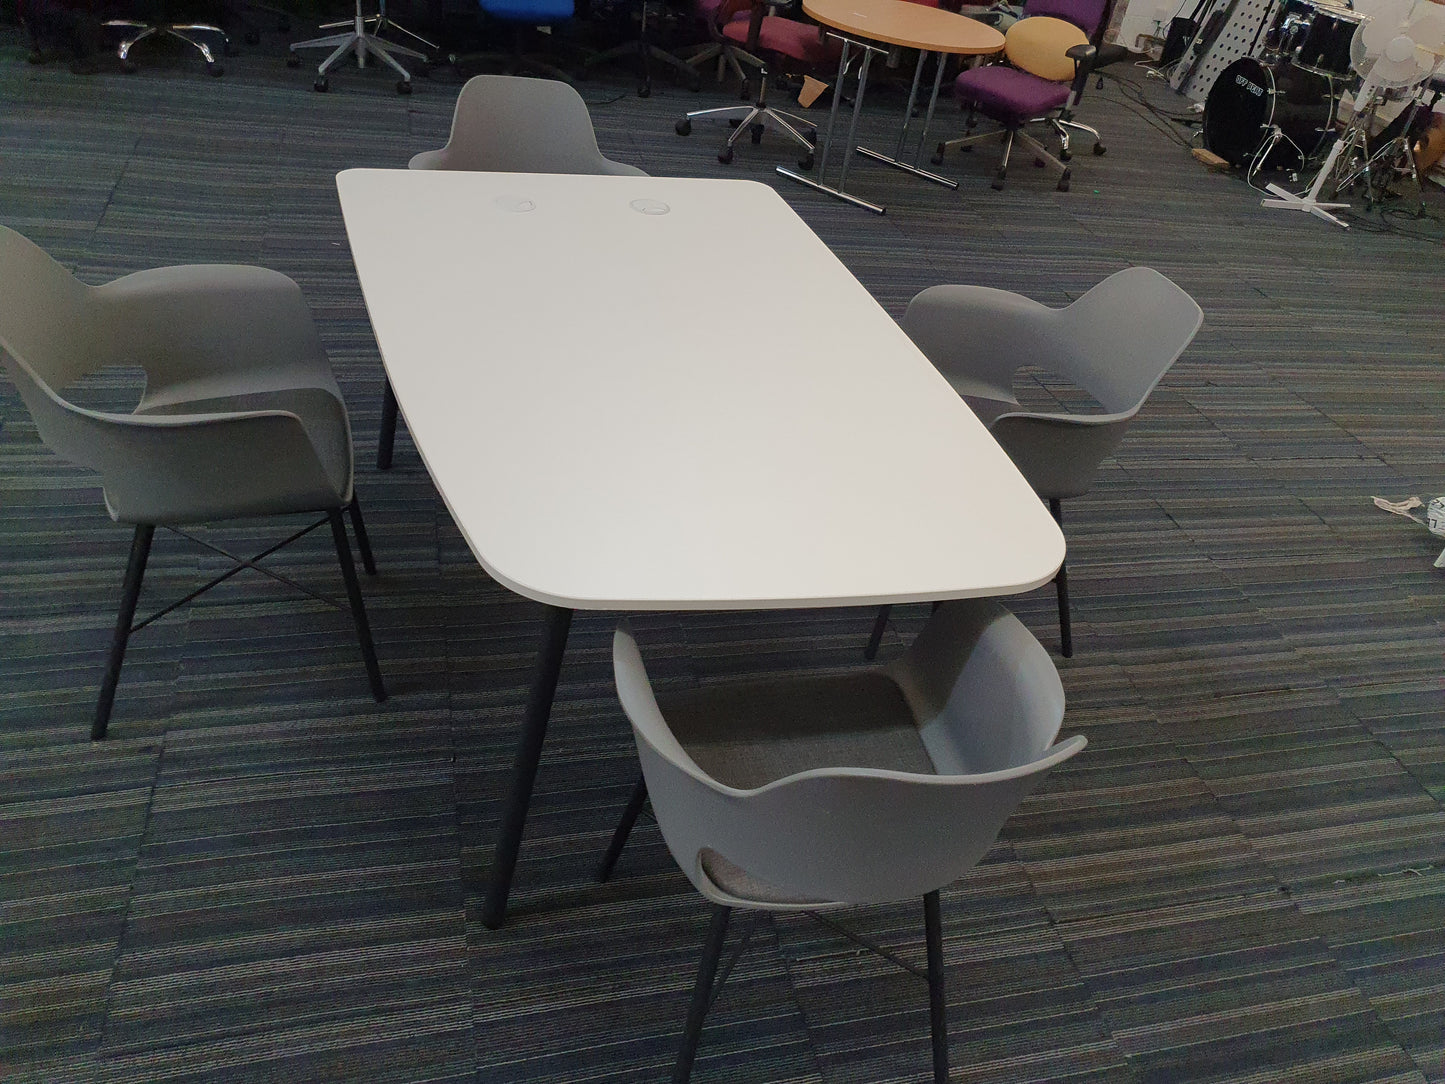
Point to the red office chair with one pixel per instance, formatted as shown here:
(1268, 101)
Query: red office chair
(783, 39)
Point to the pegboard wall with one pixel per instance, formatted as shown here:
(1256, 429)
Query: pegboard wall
(1238, 38)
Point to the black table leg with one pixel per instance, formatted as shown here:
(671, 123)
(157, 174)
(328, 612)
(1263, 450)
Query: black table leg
(524, 768)
(387, 436)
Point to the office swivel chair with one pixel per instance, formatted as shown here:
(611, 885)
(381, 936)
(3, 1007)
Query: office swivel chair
(241, 416)
(510, 124)
(361, 42)
(523, 19)
(645, 50)
(782, 39)
(720, 47)
(1049, 64)
(163, 23)
(816, 793)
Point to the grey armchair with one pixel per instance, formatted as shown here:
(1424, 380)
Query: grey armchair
(510, 124)
(814, 793)
(241, 415)
(1116, 343)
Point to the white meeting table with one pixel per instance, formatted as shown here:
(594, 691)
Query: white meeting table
(613, 425)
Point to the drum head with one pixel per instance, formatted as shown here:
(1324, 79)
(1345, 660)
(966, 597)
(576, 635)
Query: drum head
(1249, 98)
(1238, 111)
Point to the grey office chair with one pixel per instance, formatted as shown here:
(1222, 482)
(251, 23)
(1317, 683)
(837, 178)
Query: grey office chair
(240, 417)
(1116, 343)
(510, 124)
(813, 793)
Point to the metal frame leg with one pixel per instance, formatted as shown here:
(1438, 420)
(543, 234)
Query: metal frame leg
(635, 802)
(135, 569)
(358, 608)
(1061, 583)
(363, 541)
(880, 626)
(524, 767)
(386, 438)
(937, 1000)
(701, 993)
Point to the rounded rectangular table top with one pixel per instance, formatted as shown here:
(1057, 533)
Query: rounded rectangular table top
(913, 26)
(616, 418)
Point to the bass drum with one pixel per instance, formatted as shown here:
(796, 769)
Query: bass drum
(1248, 99)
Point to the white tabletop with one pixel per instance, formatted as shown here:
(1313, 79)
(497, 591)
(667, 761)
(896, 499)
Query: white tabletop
(700, 409)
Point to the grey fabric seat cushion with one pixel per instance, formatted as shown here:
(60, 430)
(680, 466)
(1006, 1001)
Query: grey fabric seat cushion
(747, 735)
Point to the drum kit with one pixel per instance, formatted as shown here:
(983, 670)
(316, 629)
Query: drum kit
(1278, 110)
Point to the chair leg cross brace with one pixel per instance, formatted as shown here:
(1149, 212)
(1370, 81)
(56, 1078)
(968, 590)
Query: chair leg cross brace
(710, 982)
(126, 624)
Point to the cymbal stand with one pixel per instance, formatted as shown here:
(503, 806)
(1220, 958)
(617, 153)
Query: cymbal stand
(1389, 156)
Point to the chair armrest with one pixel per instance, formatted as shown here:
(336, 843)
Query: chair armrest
(1082, 54)
(1059, 454)
(194, 468)
(210, 330)
(978, 337)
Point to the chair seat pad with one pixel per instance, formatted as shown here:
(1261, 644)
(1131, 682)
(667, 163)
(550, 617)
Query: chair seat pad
(748, 734)
(532, 12)
(787, 37)
(1007, 94)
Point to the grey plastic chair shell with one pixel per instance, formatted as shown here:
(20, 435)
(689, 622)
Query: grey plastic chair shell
(988, 704)
(241, 415)
(1116, 342)
(514, 124)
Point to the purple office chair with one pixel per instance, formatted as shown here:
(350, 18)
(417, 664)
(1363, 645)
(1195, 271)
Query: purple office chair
(1050, 53)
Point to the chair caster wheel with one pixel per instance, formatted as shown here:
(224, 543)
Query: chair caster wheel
(1038, 163)
(403, 86)
(1064, 156)
(213, 68)
(733, 122)
(805, 164)
(645, 90)
(725, 155)
(322, 85)
(998, 183)
(937, 159)
(683, 127)
(1099, 149)
(253, 37)
(811, 135)
(128, 66)
(227, 48)
(293, 61)
(1064, 182)
(756, 131)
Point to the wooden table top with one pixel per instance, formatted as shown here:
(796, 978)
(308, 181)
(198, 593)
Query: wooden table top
(913, 26)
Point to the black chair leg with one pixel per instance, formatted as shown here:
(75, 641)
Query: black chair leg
(880, 626)
(701, 993)
(624, 829)
(937, 1003)
(1061, 585)
(387, 437)
(363, 541)
(358, 608)
(135, 570)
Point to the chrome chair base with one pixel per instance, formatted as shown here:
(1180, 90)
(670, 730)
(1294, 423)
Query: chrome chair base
(361, 43)
(757, 115)
(180, 31)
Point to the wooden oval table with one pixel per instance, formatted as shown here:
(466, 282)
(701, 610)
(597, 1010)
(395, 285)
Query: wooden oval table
(861, 24)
